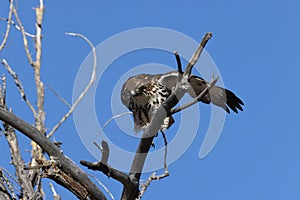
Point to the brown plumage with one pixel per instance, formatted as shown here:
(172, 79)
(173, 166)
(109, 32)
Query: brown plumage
(142, 93)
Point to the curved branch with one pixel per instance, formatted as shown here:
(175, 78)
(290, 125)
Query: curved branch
(92, 80)
(64, 163)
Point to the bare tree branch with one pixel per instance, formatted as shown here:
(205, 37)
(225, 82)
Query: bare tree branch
(4, 193)
(112, 118)
(198, 52)
(37, 153)
(153, 175)
(62, 162)
(12, 178)
(108, 170)
(18, 162)
(16, 158)
(25, 41)
(40, 91)
(166, 153)
(178, 61)
(58, 96)
(105, 152)
(92, 80)
(8, 184)
(17, 27)
(54, 173)
(55, 195)
(19, 85)
(104, 187)
(11, 7)
(197, 99)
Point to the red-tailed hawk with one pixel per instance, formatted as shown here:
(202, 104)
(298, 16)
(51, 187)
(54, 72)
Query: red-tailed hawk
(142, 93)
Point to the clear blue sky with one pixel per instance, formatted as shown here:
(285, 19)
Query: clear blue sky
(255, 47)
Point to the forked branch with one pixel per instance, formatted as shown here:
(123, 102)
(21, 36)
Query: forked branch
(19, 85)
(197, 99)
(157, 119)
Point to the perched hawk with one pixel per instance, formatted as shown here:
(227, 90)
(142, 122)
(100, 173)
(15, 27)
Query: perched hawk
(142, 93)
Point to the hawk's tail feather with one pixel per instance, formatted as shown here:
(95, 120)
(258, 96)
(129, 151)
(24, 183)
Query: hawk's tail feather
(218, 96)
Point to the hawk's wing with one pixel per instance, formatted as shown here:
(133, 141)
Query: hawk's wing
(218, 96)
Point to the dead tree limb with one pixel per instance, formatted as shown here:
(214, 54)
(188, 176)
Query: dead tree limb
(61, 161)
(16, 158)
(11, 7)
(25, 41)
(9, 189)
(55, 195)
(103, 186)
(105, 168)
(4, 194)
(19, 85)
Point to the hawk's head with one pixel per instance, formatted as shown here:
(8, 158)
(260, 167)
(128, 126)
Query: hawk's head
(134, 93)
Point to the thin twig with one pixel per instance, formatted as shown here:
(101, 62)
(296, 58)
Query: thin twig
(103, 186)
(17, 27)
(18, 84)
(38, 190)
(112, 118)
(55, 195)
(25, 41)
(58, 96)
(10, 176)
(8, 183)
(4, 194)
(92, 80)
(11, 7)
(98, 146)
(166, 152)
(145, 186)
(3, 91)
(152, 177)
